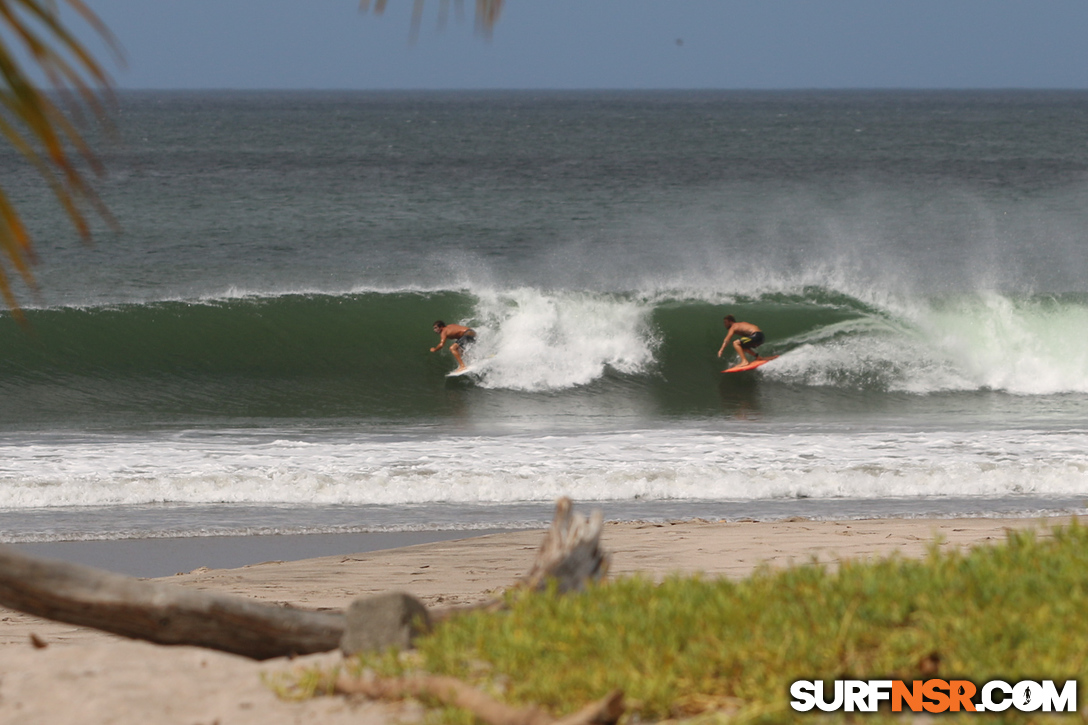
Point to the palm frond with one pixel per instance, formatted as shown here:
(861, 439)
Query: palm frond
(39, 129)
(487, 13)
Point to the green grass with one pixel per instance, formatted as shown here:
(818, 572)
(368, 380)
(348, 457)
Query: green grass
(692, 647)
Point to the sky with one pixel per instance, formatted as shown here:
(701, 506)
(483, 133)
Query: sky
(601, 44)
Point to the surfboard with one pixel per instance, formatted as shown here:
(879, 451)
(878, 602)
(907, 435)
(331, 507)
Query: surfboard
(464, 371)
(473, 367)
(749, 366)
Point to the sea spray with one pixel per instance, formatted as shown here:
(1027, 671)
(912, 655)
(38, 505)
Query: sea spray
(542, 341)
(973, 341)
(1033, 345)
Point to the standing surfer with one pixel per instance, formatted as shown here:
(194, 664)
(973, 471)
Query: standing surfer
(458, 335)
(749, 337)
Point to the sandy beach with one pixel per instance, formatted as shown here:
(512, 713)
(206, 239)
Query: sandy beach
(85, 676)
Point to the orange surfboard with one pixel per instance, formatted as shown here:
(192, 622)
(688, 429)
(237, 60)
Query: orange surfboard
(750, 366)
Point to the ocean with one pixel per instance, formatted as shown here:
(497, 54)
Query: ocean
(248, 354)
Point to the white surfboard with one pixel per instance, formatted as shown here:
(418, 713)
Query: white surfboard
(473, 367)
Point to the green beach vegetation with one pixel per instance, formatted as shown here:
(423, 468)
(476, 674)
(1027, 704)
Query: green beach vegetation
(715, 649)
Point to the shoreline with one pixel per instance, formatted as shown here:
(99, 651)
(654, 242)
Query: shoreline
(108, 679)
(154, 557)
(162, 557)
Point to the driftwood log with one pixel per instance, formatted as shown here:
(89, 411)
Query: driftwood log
(169, 614)
(571, 554)
(162, 613)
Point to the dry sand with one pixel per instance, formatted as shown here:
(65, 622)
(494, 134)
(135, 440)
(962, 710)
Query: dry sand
(88, 677)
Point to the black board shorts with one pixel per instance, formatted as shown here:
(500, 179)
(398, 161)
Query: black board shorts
(752, 341)
(465, 339)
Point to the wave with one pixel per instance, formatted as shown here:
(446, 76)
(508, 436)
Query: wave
(366, 353)
(825, 463)
(982, 341)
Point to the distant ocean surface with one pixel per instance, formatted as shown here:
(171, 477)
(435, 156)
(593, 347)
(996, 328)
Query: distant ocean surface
(249, 354)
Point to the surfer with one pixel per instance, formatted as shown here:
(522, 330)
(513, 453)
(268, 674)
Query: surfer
(749, 337)
(458, 335)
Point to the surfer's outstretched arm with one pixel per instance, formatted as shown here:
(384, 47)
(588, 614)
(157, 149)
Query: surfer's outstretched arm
(725, 342)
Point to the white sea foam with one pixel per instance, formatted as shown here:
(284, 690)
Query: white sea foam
(618, 466)
(1035, 346)
(976, 341)
(534, 340)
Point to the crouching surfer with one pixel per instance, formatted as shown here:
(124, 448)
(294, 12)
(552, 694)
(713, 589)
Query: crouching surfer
(459, 337)
(747, 337)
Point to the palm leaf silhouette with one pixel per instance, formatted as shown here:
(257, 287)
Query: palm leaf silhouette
(42, 126)
(487, 13)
